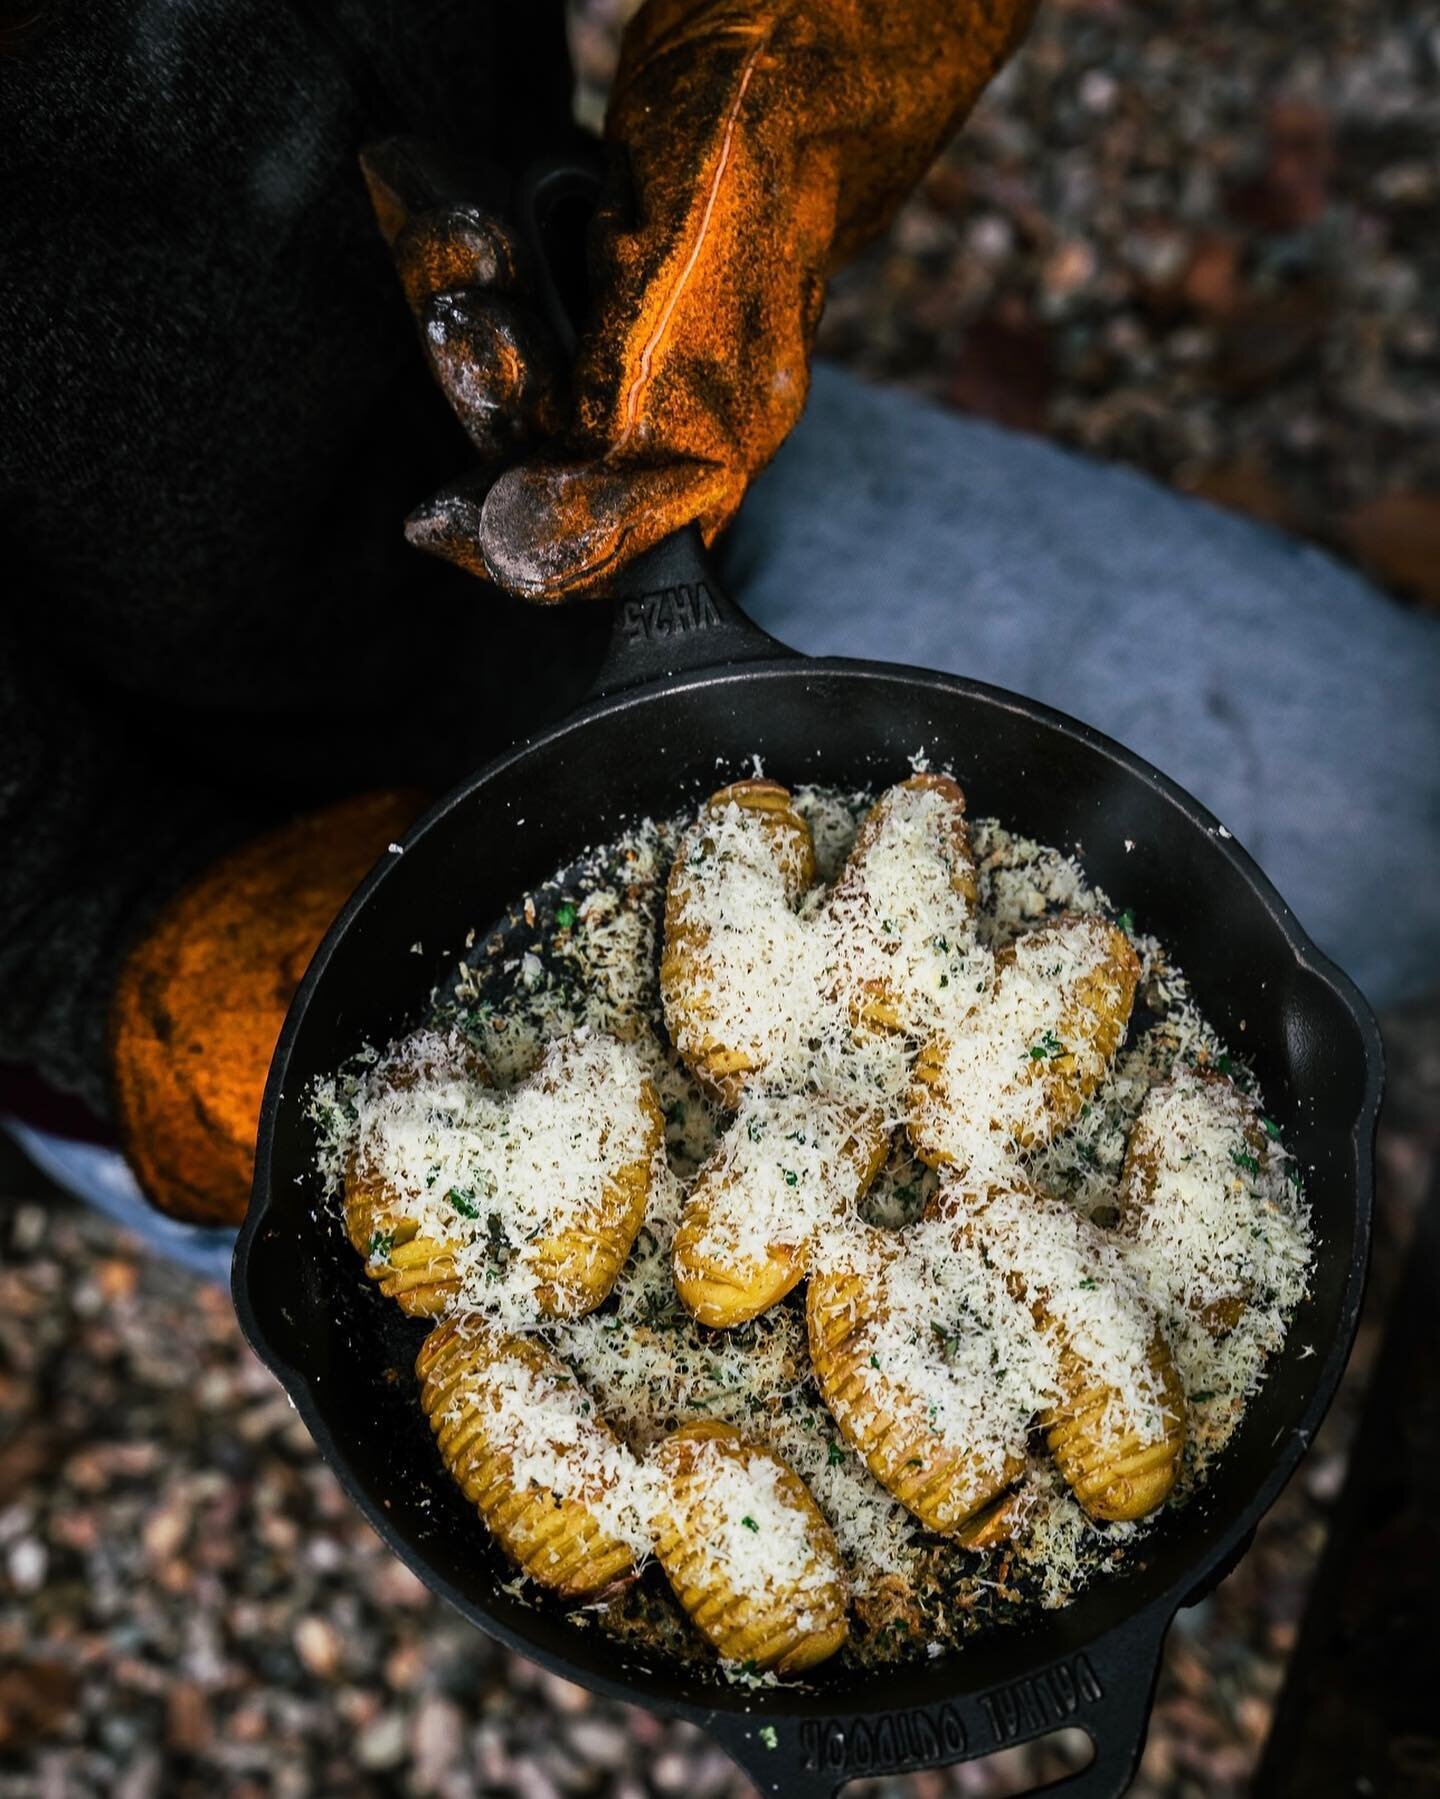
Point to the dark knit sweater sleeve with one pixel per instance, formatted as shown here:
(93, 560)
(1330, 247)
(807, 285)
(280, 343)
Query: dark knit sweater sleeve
(96, 835)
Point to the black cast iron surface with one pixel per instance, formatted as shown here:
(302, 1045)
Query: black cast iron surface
(345, 1354)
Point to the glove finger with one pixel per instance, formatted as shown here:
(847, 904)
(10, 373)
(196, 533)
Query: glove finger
(448, 524)
(498, 366)
(407, 177)
(550, 531)
(456, 245)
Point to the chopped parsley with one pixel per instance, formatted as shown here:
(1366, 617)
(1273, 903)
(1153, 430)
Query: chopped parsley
(381, 1244)
(463, 1200)
(1049, 1045)
(1243, 1159)
(1126, 922)
(750, 1523)
(565, 915)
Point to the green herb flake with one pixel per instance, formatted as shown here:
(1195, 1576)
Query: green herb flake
(1049, 1045)
(1126, 922)
(1272, 1129)
(565, 915)
(769, 1736)
(791, 1178)
(750, 1524)
(874, 1361)
(834, 1455)
(1243, 1159)
(380, 1246)
(463, 1200)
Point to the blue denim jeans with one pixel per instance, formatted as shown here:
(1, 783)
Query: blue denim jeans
(1284, 691)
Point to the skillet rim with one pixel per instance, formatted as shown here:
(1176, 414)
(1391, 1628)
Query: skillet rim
(713, 1706)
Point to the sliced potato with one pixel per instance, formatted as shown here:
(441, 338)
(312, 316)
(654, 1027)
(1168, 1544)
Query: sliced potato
(904, 902)
(1184, 1188)
(1116, 1472)
(1019, 1068)
(705, 1010)
(524, 1443)
(889, 1420)
(1118, 1452)
(748, 1551)
(569, 1223)
(578, 1264)
(784, 1166)
(417, 1270)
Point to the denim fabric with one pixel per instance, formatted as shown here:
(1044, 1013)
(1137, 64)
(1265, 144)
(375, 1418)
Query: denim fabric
(1283, 690)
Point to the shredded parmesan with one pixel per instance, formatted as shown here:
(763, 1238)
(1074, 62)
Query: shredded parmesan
(983, 1293)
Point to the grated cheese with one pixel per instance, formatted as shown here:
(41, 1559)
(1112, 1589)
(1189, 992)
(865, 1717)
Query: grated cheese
(578, 958)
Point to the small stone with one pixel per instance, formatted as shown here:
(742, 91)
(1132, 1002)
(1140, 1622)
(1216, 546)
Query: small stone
(27, 1563)
(318, 1646)
(382, 1745)
(437, 1734)
(165, 1530)
(1098, 90)
(599, 1742)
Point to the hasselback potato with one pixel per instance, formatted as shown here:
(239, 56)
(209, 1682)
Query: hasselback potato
(884, 1362)
(748, 1551)
(784, 1166)
(454, 1192)
(731, 934)
(1113, 1407)
(901, 915)
(1017, 1070)
(526, 1446)
(1192, 1194)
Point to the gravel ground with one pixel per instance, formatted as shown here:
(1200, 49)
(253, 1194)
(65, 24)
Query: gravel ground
(1201, 239)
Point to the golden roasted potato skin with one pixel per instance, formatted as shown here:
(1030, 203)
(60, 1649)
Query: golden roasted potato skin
(942, 1486)
(723, 1292)
(578, 1267)
(557, 1542)
(786, 1632)
(1095, 1017)
(1115, 1479)
(722, 1068)
(417, 1272)
(1144, 1161)
(877, 1006)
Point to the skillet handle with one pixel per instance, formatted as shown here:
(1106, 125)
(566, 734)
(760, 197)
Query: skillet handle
(671, 614)
(1105, 1689)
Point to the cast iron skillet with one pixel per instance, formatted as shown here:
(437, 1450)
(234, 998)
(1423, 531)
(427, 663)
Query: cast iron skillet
(689, 693)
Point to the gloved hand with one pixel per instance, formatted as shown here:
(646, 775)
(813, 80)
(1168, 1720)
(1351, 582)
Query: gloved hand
(201, 998)
(756, 144)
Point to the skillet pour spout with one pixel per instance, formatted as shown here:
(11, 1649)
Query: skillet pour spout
(689, 694)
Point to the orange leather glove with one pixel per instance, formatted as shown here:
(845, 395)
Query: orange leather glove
(200, 1000)
(756, 144)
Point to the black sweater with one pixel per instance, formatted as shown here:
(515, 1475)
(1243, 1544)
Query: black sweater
(214, 416)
